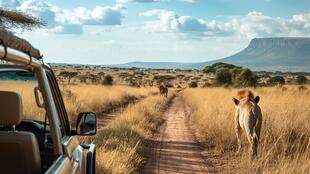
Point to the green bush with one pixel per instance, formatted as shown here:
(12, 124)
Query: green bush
(245, 78)
(108, 80)
(276, 80)
(223, 76)
(193, 84)
(231, 75)
(301, 79)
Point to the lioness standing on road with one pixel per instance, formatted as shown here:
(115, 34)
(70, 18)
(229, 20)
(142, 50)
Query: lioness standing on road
(163, 90)
(248, 118)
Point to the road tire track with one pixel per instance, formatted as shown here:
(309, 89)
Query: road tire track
(174, 149)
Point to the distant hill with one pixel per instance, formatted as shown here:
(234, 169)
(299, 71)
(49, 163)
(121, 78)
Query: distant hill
(262, 54)
(269, 54)
(153, 65)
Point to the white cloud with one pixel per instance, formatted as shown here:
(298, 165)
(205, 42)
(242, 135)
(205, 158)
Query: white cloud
(254, 24)
(100, 15)
(169, 21)
(39, 9)
(65, 21)
(139, 1)
(300, 24)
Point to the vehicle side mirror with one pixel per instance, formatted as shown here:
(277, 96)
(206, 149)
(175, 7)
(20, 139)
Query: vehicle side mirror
(86, 123)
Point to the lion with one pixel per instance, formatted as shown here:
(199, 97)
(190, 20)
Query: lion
(248, 119)
(163, 90)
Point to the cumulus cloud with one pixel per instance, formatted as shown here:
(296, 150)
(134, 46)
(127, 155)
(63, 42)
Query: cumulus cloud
(65, 21)
(100, 15)
(300, 23)
(139, 1)
(254, 24)
(39, 9)
(169, 21)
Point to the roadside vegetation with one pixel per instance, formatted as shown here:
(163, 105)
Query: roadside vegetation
(98, 98)
(78, 98)
(120, 145)
(285, 137)
(231, 75)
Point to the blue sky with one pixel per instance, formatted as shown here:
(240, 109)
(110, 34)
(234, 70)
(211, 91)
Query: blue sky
(119, 31)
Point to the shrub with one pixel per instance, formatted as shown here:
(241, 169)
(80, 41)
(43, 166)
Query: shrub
(193, 84)
(302, 88)
(245, 78)
(207, 84)
(108, 80)
(276, 80)
(213, 68)
(223, 76)
(228, 74)
(301, 79)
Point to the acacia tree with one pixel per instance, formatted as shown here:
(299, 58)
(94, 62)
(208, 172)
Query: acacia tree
(301, 79)
(10, 20)
(223, 76)
(69, 75)
(246, 78)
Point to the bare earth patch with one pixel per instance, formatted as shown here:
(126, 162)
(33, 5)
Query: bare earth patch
(175, 149)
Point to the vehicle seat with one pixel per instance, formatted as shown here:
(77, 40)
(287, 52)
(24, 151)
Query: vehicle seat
(19, 151)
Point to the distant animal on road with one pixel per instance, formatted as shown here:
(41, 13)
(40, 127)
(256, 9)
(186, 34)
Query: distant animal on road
(163, 90)
(248, 119)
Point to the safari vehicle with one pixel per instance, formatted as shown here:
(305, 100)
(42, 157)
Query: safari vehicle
(35, 131)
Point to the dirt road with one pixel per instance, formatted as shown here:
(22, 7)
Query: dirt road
(105, 117)
(175, 149)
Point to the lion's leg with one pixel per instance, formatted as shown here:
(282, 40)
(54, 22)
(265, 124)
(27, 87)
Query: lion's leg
(252, 141)
(239, 136)
(254, 146)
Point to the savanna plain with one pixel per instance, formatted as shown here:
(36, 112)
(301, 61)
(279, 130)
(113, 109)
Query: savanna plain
(138, 108)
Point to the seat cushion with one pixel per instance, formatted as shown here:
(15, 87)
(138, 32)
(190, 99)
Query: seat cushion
(19, 153)
(11, 109)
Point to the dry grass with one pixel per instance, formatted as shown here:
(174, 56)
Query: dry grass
(25, 89)
(120, 144)
(285, 137)
(77, 98)
(98, 98)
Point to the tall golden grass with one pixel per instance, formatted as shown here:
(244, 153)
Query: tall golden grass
(26, 90)
(98, 98)
(119, 145)
(77, 98)
(285, 137)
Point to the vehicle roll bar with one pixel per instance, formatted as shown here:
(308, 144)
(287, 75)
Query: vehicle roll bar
(12, 55)
(17, 50)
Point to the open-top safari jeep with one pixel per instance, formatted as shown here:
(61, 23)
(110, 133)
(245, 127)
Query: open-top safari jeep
(35, 132)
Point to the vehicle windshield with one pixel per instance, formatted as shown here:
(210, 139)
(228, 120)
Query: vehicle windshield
(22, 82)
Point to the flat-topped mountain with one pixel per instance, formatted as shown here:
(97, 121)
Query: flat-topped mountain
(272, 54)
